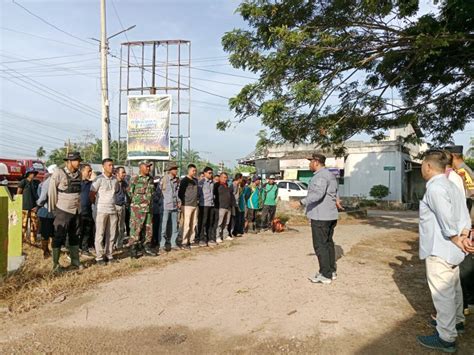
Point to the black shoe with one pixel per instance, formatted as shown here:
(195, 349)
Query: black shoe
(168, 248)
(149, 251)
(134, 252)
(114, 261)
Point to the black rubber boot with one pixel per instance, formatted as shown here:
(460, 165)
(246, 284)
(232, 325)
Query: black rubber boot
(56, 266)
(149, 250)
(75, 259)
(134, 251)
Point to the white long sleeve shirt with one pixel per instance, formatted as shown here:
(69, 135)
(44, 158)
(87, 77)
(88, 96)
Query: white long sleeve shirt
(443, 214)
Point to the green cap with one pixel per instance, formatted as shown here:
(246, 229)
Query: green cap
(145, 162)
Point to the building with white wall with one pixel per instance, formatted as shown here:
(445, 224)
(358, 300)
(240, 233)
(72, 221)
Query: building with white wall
(389, 162)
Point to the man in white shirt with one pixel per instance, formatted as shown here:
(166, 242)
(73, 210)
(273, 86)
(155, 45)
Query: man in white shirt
(103, 192)
(444, 230)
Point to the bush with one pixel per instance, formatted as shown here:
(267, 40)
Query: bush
(379, 191)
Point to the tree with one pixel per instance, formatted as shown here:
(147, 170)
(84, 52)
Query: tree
(41, 152)
(327, 68)
(379, 192)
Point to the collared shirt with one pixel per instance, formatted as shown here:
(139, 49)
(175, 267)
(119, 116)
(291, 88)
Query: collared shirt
(106, 187)
(169, 190)
(121, 197)
(206, 192)
(322, 194)
(443, 214)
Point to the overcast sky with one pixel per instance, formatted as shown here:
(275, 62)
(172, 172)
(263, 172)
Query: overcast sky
(49, 101)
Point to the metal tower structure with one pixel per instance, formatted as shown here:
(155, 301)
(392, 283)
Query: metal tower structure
(158, 67)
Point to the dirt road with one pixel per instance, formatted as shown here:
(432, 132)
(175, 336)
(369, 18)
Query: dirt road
(252, 297)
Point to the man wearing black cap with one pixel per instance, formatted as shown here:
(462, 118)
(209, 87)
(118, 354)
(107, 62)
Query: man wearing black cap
(322, 211)
(65, 202)
(141, 196)
(28, 187)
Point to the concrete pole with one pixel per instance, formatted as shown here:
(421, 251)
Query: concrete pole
(104, 84)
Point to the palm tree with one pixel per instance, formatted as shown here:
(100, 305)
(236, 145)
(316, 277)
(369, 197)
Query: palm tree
(191, 156)
(41, 152)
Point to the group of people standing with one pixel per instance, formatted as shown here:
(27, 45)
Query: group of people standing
(97, 216)
(446, 243)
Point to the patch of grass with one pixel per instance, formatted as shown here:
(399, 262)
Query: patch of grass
(34, 284)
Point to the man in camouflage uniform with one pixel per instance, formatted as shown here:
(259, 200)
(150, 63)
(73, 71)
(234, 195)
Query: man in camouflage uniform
(141, 191)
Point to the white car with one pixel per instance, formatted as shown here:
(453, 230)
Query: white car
(291, 188)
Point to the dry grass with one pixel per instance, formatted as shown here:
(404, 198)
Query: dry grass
(34, 284)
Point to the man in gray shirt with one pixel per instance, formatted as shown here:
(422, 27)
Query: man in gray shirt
(322, 211)
(206, 234)
(103, 192)
(171, 204)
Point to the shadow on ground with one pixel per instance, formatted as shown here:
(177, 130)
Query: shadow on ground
(410, 277)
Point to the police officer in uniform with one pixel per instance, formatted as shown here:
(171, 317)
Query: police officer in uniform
(64, 194)
(141, 192)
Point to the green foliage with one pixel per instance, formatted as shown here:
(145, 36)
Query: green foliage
(470, 162)
(379, 191)
(244, 169)
(327, 68)
(41, 152)
(91, 151)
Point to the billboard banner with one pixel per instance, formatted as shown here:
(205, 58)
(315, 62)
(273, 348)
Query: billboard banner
(148, 127)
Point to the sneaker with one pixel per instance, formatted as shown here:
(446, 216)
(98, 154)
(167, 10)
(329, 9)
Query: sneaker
(114, 261)
(212, 243)
(219, 241)
(459, 327)
(436, 343)
(320, 279)
(101, 262)
(229, 238)
(202, 244)
(334, 276)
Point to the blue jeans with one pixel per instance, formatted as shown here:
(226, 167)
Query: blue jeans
(174, 225)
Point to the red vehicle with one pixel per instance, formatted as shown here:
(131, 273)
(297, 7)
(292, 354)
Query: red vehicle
(17, 168)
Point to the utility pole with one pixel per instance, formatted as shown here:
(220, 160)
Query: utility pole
(104, 84)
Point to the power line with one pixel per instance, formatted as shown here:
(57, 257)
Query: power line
(49, 97)
(191, 87)
(39, 85)
(45, 58)
(52, 25)
(44, 38)
(222, 73)
(125, 33)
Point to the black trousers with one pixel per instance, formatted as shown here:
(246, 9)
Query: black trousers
(268, 215)
(87, 232)
(156, 238)
(66, 225)
(239, 222)
(466, 274)
(323, 244)
(206, 221)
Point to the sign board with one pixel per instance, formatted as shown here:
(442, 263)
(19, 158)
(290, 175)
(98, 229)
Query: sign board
(389, 168)
(148, 127)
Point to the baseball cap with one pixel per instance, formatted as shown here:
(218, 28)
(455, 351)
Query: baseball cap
(255, 178)
(145, 162)
(455, 149)
(272, 177)
(73, 156)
